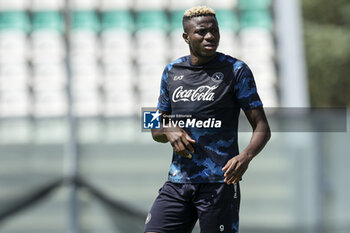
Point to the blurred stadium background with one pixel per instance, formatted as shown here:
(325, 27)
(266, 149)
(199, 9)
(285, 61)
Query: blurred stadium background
(75, 74)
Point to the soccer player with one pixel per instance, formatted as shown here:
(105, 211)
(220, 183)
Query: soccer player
(203, 93)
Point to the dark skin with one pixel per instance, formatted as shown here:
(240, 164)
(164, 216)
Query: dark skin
(202, 35)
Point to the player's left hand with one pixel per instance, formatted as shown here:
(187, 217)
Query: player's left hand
(235, 168)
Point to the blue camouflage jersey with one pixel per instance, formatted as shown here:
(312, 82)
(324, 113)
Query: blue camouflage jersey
(205, 100)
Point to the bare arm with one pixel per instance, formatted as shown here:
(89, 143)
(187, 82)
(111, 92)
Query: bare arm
(158, 134)
(237, 166)
(178, 138)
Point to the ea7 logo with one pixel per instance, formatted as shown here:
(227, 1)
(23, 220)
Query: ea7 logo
(178, 77)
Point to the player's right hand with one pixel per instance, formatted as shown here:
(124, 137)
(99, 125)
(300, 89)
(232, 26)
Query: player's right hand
(180, 141)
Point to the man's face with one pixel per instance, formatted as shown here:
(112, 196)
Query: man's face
(202, 35)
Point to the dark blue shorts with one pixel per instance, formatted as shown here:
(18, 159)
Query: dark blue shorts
(179, 206)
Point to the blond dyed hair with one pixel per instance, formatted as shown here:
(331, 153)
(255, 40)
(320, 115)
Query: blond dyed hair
(198, 11)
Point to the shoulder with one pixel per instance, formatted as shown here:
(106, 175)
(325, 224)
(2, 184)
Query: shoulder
(236, 63)
(180, 60)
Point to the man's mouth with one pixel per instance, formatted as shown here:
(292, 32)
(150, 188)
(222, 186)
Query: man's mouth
(210, 46)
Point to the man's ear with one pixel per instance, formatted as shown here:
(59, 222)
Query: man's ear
(185, 36)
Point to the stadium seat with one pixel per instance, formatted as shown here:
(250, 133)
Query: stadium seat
(118, 76)
(151, 36)
(84, 40)
(227, 20)
(151, 19)
(51, 76)
(176, 19)
(47, 37)
(183, 4)
(257, 43)
(85, 71)
(229, 25)
(254, 4)
(15, 103)
(86, 103)
(14, 20)
(85, 76)
(111, 5)
(14, 26)
(47, 47)
(116, 36)
(117, 19)
(84, 4)
(178, 46)
(48, 103)
(44, 5)
(85, 20)
(13, 47)
(119, 104)
(256, 19)
(14, 76)
(222, 4)
(48, 21)
(149, 98)
(10, 5)
(118, 86)
(149, 5)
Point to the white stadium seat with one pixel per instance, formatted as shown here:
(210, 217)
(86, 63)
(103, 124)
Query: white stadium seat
(149, 98)
(50, 103)
(41, 5)
(118, 77)
(14, 76)
(15, 103)
(85, 76)
(84, 4)
(52, 76)
(119, 103)
(178, 46)
(84, 46)
(13, 47)
(115, 5)
(7, 5)
(257, 41)
(149, 48)
(183, 4)
(86, 103)
(221, 4)
(117, 45)
(229, 43)
(47, 47)
(149, 4)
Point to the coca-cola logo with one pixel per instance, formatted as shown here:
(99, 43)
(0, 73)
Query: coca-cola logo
(202, 93)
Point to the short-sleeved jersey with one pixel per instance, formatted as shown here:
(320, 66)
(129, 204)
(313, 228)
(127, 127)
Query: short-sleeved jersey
(213, 93)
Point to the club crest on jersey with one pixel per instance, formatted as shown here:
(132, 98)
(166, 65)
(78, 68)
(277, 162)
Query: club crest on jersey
(217, 77)
(202, 93)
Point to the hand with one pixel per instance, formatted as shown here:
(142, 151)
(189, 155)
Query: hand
(180, 141)
(235, 168)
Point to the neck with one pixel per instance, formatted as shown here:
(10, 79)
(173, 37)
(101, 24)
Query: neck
(196, 60)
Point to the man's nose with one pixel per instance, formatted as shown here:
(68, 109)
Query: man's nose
(209, 36)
